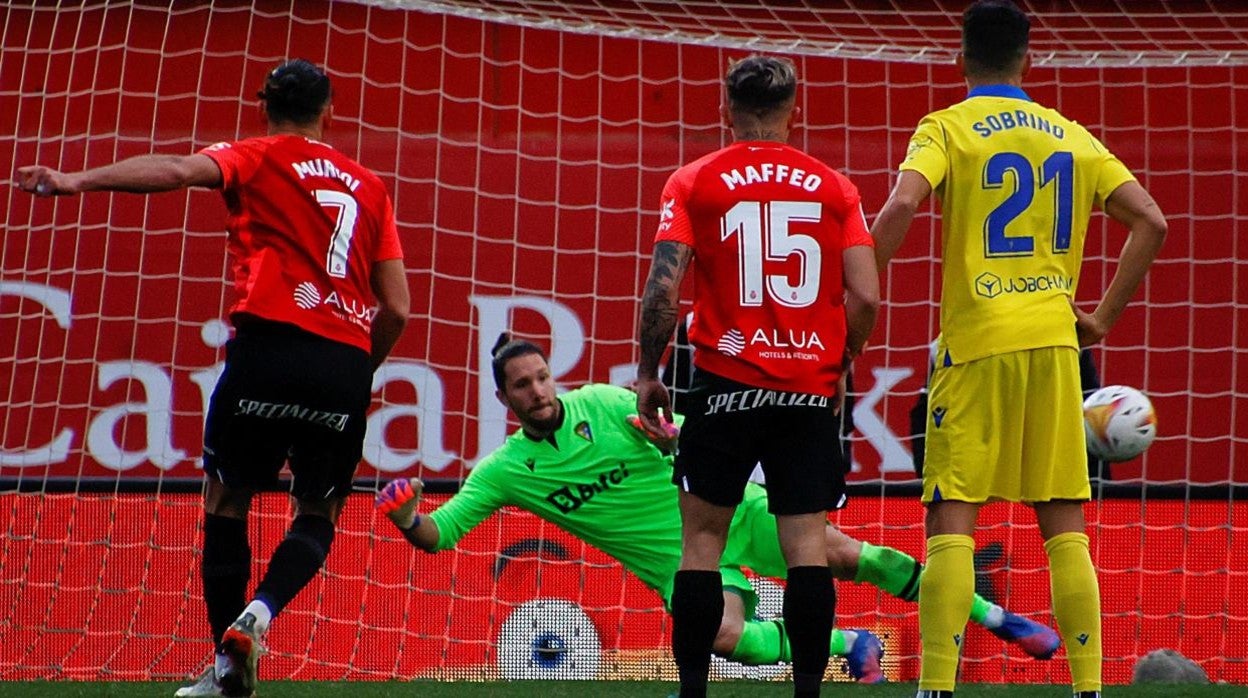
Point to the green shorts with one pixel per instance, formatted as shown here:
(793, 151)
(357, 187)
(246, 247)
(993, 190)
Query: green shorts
(753, 543)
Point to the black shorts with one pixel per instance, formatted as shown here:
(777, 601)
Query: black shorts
(288, 395)
(729, 427)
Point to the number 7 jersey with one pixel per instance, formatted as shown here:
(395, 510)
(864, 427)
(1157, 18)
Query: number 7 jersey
(768, 225)
(1017, 184)
(306, 225)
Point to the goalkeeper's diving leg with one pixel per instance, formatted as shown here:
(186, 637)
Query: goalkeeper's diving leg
(763, 642)
(898, 574)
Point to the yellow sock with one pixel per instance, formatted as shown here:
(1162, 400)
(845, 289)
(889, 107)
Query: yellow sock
(945, 593)
(1077, 606)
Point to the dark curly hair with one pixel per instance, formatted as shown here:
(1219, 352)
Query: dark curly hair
(506, 349)
(296, 92)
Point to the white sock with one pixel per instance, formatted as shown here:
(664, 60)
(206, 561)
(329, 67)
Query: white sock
(262, 613)
(221, 663)
(995, 617)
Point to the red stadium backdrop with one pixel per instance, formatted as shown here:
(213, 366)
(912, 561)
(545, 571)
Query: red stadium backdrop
(515, 214)
(526, 166)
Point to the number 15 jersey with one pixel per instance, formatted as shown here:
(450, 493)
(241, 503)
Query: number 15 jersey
(768, 225)
(306, 226)
(1017, 183)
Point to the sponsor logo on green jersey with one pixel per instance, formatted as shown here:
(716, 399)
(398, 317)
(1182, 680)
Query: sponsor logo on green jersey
(569, 498)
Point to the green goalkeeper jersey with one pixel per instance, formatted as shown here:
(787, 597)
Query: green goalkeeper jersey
(596, 477)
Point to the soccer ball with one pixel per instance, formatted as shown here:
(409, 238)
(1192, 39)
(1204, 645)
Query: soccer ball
(548, 639)
(1119, 423)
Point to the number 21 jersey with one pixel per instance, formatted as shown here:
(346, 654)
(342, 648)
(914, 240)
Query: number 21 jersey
(306, 225)
(768, 225)
(1017, 183)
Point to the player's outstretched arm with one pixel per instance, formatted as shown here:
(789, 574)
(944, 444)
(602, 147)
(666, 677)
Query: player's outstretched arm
(898, 574)
(398, 500)
(893, 221)
(142, 174)
(1131, 205)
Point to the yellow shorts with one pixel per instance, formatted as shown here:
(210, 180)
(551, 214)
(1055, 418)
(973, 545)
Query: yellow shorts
(1007, 427)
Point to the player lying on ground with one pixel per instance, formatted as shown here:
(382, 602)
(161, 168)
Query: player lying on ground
(579, 464)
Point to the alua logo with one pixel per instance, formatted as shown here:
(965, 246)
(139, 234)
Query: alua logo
(351, 306)
(307, 296)
(732, 343)
(787, 339)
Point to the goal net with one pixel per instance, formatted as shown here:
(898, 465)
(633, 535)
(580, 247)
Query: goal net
(525, 143)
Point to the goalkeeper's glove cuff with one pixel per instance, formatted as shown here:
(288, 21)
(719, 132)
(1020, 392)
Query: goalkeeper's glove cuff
(410, 532)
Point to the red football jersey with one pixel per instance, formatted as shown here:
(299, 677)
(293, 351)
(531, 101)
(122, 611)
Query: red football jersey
(306, 225)
(768, 225)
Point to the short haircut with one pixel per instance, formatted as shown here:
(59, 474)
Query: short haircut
(295, 92)
(760, 85)
(506, 349)
(995, 34)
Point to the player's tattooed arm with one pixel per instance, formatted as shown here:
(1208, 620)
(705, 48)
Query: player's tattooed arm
(660, 304)
(659, 308)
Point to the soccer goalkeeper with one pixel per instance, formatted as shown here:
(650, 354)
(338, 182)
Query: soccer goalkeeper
(578, 463)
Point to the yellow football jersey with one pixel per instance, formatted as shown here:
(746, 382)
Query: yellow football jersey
(1017, 183)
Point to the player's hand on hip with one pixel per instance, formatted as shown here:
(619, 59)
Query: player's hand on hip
(398, 500)
(1088, 327)
(45, 181)
(653, 399)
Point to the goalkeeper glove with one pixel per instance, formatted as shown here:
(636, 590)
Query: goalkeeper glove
(667, 443)
(398, 500)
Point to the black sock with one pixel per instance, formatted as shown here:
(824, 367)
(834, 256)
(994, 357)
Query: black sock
(809, 607)
(296, 561)
(225, 569)
(697, 609)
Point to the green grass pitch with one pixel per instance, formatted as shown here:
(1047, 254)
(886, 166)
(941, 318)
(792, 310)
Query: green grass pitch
(608, 689)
